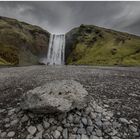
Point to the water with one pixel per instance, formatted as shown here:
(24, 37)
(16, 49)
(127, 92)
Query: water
(56, 51)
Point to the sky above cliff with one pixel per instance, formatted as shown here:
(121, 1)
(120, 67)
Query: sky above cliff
(60, 17)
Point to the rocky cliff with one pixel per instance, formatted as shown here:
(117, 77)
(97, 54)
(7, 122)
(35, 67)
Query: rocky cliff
(21, 43)
(92, 45)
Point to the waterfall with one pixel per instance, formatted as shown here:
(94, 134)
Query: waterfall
(56, 51)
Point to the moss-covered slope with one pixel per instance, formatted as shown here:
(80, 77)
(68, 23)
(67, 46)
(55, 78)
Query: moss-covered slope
(21, 43)
(92, 45)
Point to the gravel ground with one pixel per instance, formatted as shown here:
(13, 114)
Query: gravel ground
(113, 112)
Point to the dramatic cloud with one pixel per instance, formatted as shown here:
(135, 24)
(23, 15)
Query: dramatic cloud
(60, 17)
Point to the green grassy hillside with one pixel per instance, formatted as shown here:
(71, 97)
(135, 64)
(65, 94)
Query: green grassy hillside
(21, 43)
(92, 45)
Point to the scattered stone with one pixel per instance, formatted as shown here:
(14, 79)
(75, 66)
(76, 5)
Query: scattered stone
(65, 133)
(7, 125)
(72, 136)
(10, 112)
(3, 134)
(76, 120)
(84, 136)
(98, 132)
(70, 118)
(39, 135)
(14, 122)
(46, 124)
(94, 137)
(24, 118)
(123, 120)
(2, 110)
(67, 125)
(7, 120)
(59, 128)
(92, 115)
(89, 122)
(56, 96)
(40, 127)
(75, 129)
(11, 134)
(132, 128)
(32, 130)
(81, 131)
(56, 134)
(29, 136)
(89, 130)
(84, 121)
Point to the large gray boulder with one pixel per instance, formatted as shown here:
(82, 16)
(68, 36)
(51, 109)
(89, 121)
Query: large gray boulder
(56, 96)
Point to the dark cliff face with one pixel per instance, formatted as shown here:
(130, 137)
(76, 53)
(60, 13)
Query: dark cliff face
(92, 45)
(21, 43)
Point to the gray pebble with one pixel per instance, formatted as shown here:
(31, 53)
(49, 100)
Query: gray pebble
(132, 128)
(11, 134)
(123, 120)
(81, 131)
(40, 127)
(24, 118)
(59, 128)
(46, 124)
(84, 121)
(84, 136)
(56, 134)
(98, 132)
(65, 133)
(32, 130)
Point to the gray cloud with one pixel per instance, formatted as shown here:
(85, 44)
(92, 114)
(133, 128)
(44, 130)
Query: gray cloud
(60, 17)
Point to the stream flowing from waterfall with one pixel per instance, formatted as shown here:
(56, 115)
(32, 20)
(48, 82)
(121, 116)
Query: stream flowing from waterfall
(56, 51)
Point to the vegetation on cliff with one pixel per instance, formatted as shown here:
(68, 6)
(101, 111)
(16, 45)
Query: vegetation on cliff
(21, 43)
(92, 45)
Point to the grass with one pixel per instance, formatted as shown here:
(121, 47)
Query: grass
(98, 46)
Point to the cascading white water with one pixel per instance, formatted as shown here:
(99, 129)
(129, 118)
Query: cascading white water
(56, 50)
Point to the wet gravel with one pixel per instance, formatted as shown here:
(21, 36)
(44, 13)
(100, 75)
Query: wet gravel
(114, 90)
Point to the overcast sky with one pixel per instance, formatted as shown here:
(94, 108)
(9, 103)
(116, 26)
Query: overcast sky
(60, 17)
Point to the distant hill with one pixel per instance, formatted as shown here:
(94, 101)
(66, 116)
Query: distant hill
(92, 45)
(21, 43)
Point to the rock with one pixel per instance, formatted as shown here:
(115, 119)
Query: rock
(89, 122)
(14, 122)
(46, 124)
(32, 130)
(65, 133)
(10, 112)
(39, 135)
(59, 128)
(72, 136)
(84, 121)
(40, 127)
(132, 128)
(2, 110)
(7, 125)
(75, 129)
(89, 129)
(57, 96)
(67, 125)
(76, 120)
(123, 120)
(56, 134)
(7, 120)
(11, 134)
(84, 136)
(94, 137)
(81, 131)
(70, 118)
(3, 134)
(99, 132)
(24, 118)
(93, 115)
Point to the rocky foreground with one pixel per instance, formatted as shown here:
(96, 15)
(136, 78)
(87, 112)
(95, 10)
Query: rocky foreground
(112, 112)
